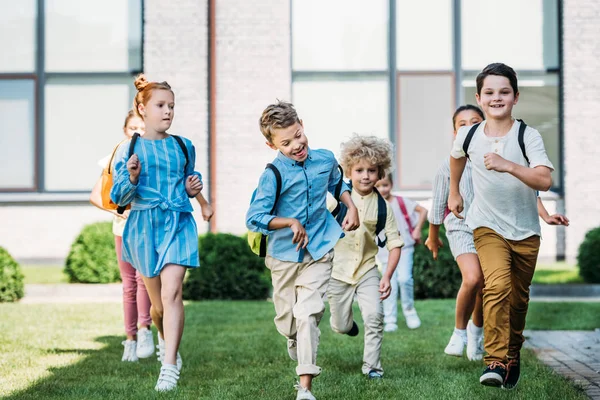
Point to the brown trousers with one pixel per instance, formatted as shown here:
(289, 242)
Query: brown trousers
(508, 267)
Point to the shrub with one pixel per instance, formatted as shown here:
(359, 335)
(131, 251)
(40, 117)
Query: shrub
(588, 257)
(92, 258)
(11, 278)
(228, 270)
(435, 279)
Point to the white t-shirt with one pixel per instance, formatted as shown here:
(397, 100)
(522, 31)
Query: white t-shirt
(118, 223)
(383, 253)
(501, 201)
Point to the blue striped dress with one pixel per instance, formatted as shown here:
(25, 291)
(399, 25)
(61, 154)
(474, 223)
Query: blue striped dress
(160, 229)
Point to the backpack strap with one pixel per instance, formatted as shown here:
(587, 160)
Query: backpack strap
(134, 138)
(263, 238)
(402, 205)
(381, 218)
(468, 139)
(338, 193)
(522, 139)
(182, 145)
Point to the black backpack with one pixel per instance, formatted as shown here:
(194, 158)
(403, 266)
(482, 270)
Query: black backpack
(340, 213)
(134, 139)
(522, 128)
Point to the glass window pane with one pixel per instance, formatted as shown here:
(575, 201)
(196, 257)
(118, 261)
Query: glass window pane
(17, 134)
(84, 121)
(332, 110)
(93, 36)
(433, 49)
(17, 35)
(528, 37)
(538, 107)
(339, 35)
(426, 105)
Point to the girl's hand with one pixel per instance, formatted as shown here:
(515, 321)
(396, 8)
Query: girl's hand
(134, 166)
(455, 204)
(300, 235)
(207, 212)
(416, 235)
(193, 185)
(557, 219)
(351, 221)
(122, 216)
(433, 244)
(384, 287)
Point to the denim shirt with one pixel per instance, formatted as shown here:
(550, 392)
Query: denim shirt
(304, 187)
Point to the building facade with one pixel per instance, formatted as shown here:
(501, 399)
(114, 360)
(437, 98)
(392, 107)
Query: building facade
(385, 67)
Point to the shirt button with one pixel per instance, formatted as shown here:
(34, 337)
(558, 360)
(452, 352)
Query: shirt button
(496, 150)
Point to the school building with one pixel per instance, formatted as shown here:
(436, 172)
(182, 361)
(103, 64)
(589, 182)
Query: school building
(393, 68)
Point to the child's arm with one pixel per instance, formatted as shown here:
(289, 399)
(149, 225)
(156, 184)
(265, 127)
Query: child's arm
(193, 179)
(416, 234)
(455, 200)
(384, 285)
(351, 221)
(441, 189)
(555, 219)
(207, 209)
(537, 178)
(126, 176)
(433, 242)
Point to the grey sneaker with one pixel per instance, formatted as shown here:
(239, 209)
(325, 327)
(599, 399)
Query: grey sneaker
(160, 354)
(145, 343)
(303, 393)
(129, 351)
(292, 349)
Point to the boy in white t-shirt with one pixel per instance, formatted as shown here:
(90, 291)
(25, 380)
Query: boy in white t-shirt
(410, 217)
(503, 215)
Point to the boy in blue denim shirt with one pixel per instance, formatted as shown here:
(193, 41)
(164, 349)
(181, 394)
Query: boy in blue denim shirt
(302, 233)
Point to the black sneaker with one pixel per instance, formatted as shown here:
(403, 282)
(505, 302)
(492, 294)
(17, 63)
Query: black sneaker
(493, 375)
(513, 372)
(354, 330)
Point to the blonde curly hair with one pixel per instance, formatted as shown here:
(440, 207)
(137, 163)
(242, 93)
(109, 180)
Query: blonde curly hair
(374, 149)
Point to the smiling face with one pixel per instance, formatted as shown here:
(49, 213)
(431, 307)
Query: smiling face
(290, 141)
(497, 97)
(384, 186)
(364, 176)
(466, 118)
(159, 111)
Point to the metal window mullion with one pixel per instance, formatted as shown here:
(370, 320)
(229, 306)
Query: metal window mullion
(393, 81)
(40, 96)
(459, 96)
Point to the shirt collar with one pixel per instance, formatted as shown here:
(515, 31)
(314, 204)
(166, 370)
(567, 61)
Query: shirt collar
(288, 161)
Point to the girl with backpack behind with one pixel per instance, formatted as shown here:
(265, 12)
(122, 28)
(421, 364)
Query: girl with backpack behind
(136, 303)
(156, 176)
(410, 217)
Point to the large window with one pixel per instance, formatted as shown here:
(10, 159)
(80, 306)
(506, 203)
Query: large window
(66, 83)
(396, 69)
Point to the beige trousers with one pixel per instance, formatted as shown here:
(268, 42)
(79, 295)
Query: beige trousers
(298, 290)
(341, 296)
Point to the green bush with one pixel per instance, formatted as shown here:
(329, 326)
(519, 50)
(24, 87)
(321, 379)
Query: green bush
(228, 270)
(11, 278)
(588, 257)
(92, 258)
(439, 279)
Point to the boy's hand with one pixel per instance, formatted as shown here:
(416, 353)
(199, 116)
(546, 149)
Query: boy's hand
(455, 204)
(494, 162)
(300, 235)
(134, 166)
(433, 244)
(416, 235)
(351, 221)
(557, 219)
(384, 287)
(207, 212)
(193, 185)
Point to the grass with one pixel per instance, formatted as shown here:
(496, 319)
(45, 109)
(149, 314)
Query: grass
(231, 350)
(559, 272)
(44, 274)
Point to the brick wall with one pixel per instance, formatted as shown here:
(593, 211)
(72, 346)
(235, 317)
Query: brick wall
(581, 50)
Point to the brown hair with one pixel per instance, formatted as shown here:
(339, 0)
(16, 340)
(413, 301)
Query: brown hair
(498, 69)
(375, 150)
(145, 89)
(277, 116)
(130, 114)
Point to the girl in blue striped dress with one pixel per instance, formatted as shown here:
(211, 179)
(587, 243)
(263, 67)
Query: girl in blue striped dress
(160, 239)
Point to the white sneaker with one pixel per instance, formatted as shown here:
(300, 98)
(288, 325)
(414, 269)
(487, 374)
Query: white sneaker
(475, 349)
(390, 328)
(456, 346)
(303, 394)
(292, 349)
(167, 380)
(160, 354)
(145, 343)
(129, 351)
(412, 319)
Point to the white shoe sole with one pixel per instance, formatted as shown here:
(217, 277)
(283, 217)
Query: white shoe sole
(491, 379)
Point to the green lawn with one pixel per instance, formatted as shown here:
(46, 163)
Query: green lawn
(559, 272)
(231, 350)
(44, 274)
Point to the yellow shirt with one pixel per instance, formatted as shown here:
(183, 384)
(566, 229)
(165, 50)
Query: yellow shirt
(355, 253)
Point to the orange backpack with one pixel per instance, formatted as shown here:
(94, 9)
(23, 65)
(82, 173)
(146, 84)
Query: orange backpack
(107, 179)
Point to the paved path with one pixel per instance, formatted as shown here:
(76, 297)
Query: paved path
(72, 293)
(573, 354)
